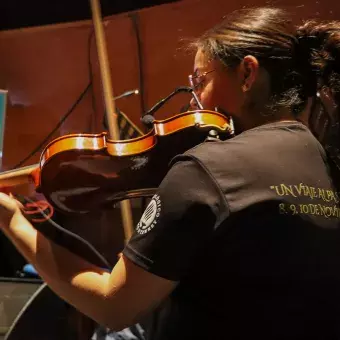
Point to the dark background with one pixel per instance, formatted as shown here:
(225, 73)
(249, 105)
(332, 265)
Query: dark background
(28, 13)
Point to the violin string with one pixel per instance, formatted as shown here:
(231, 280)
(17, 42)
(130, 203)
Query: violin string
(73, 235)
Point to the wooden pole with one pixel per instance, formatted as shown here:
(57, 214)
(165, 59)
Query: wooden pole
(109, 102)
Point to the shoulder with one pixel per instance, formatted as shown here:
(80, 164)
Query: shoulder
(268, 138)
(214, 155)
(259, 150)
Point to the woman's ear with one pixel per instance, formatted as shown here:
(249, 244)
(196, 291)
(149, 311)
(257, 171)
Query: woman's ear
(249, 69)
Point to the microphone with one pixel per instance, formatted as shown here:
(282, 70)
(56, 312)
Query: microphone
(148, 118)
(127, 94)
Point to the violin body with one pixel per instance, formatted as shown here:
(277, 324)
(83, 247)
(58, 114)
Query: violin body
(79, 173)
(83, 172)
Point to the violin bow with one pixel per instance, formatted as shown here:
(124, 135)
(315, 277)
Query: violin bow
(111, 113)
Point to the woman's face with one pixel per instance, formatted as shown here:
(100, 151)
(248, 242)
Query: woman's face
(241, 92)
(216, 85)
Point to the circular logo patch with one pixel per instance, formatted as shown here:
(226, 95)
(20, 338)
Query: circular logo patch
(150, 216)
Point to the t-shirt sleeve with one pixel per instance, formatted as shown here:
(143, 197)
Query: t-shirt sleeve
(178, 222)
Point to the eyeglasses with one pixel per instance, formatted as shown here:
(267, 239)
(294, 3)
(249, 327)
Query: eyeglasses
(197, 81)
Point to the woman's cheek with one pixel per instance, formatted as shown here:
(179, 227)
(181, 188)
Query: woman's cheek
(207, 99)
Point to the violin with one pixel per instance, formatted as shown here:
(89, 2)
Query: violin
(79, 173)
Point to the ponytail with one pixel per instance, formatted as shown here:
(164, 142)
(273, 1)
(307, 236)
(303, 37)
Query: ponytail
(319, 62)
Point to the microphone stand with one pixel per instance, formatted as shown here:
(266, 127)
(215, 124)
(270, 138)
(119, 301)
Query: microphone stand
(148, 117)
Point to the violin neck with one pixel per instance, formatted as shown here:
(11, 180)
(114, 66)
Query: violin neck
(12, 178)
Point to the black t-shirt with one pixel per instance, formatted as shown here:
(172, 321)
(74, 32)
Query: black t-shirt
(250, 229)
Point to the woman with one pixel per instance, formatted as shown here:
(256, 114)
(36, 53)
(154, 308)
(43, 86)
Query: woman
(242, 238)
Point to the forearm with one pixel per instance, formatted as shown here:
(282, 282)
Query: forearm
(78, 282)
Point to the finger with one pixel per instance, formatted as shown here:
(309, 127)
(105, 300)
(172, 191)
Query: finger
(20, 205)
(4, 197)
(9, 203)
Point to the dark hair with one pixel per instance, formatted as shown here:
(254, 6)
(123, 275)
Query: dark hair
(298, 59)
